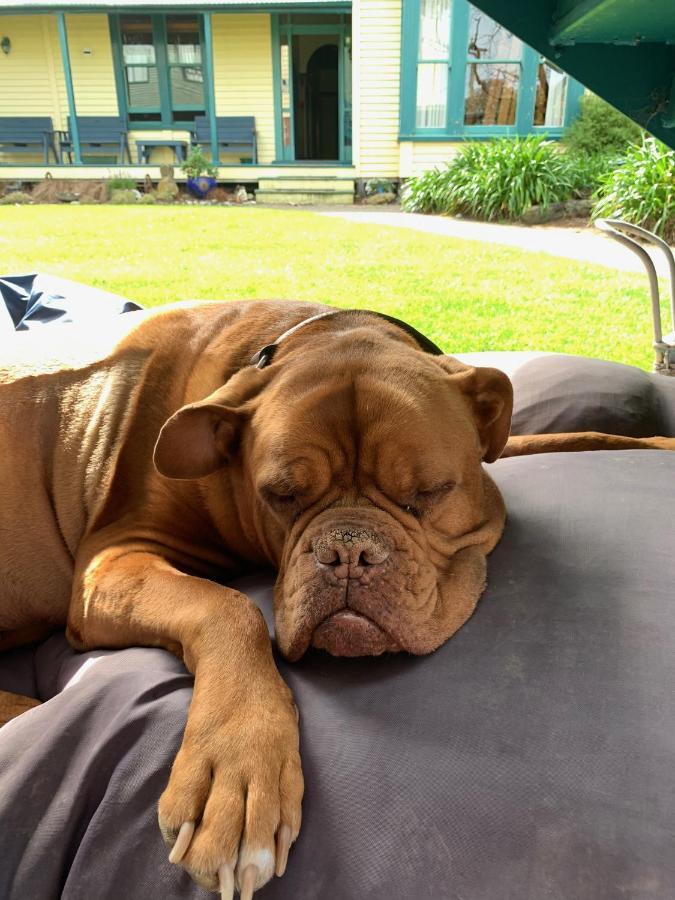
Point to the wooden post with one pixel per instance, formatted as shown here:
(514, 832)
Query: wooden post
(210, 89)
(65, 56)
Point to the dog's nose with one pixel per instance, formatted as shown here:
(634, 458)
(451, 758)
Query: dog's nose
(350, 553)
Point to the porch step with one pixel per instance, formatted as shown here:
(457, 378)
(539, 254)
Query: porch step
(305, 191)
(307, 182)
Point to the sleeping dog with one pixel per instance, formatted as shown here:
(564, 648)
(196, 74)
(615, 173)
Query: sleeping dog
(341, 447)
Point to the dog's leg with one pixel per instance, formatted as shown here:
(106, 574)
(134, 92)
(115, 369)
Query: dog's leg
(526, 444)
(232, 805)
(12, 705)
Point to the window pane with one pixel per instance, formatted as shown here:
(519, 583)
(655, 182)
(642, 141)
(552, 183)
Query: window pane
(187, 87)
(488, 40)
(182, 37)
(490, 94)
(549, 105)
(432, 95)
(142, 87)
(137, 45)
(434, 29)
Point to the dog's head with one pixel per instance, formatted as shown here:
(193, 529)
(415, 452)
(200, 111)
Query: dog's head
(357, 459)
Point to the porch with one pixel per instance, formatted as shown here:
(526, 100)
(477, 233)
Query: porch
(157, 73)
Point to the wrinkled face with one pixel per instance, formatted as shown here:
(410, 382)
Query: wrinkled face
(368, 483)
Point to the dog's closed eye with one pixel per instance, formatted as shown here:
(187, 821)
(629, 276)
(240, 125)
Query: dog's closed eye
(428, 498)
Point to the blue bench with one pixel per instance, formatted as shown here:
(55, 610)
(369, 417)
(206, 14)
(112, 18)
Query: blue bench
(236, 134)
(98, 133)
(23, 134)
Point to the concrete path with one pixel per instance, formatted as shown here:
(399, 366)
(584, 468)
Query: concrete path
(585, 244)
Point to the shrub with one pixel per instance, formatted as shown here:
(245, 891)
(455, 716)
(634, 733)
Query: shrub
(599, 128)
(120, 196)
(16, 198)
(148, 200)
(494, 179)
(588, 170)
(642, 189)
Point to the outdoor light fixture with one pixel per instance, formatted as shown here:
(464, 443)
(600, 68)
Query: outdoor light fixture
(5, 45)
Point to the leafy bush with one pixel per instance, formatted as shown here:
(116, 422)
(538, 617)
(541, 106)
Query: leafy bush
(642, 189)
(16, 198)
(599, 128)
(494, 179)
(587, 171)
(121, 196)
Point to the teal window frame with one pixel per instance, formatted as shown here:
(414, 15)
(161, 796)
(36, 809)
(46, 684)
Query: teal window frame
(455, 129)
(166, 109)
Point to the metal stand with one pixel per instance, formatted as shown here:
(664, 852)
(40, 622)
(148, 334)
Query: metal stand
(664, 347)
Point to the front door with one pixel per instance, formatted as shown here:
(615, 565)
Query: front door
(313, 78)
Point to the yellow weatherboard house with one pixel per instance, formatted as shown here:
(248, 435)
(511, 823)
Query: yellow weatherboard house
(302, 98)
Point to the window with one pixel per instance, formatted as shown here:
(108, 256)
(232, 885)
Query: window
(465, 76)
(492, 72)
(432, 63)
(160, 71)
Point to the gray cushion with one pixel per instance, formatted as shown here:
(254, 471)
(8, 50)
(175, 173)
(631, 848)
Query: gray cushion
(532, 756)
(554, 393)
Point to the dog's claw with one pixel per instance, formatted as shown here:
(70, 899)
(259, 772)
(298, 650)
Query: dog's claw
(179, 849)
(249, 878)
(226, 881)
(283, 846)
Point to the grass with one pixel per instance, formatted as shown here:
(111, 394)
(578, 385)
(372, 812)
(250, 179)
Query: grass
(465, 295)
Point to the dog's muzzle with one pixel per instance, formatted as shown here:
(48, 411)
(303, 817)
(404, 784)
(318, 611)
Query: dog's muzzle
(346, 557)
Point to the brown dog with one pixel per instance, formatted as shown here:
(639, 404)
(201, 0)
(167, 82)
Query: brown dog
(352, 462)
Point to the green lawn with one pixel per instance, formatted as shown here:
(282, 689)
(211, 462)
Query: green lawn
(465, 295)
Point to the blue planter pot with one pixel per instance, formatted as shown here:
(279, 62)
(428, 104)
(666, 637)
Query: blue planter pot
(201, 186)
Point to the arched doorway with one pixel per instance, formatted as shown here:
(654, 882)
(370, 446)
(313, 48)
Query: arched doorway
(317, 106)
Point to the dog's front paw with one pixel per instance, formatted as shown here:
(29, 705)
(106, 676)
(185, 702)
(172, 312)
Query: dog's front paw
(231, 809)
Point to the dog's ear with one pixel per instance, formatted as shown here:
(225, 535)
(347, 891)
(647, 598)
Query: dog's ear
(198, 440)
(490, 393)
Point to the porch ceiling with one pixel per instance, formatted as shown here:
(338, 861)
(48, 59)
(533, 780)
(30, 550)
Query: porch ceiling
(70, 6)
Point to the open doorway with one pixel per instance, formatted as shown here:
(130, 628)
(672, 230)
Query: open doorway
(316, 98)
(313, 88)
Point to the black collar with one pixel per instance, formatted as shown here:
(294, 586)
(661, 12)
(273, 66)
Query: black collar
(265, 355)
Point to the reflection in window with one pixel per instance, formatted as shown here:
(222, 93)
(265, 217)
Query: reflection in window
(162, 58)
(433, 64)
(432, 95)
(491, 87)
(491, 93)
(184, 54)
(490, 41)
(434, 29)
(549, 104)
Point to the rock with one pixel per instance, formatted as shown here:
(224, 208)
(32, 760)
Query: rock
(537, 215)
(377, 199)
(167, 189)
(579, 209)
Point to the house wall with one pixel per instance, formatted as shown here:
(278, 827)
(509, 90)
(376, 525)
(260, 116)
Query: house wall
(419, 156)
(93, 73)
(242, 51)
(376, 83)
(32, 82)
